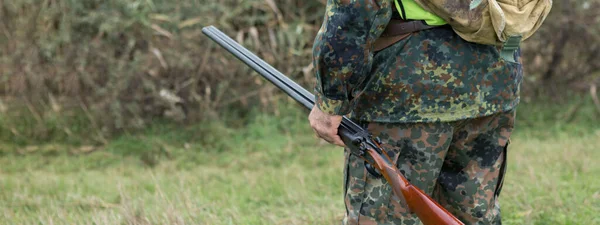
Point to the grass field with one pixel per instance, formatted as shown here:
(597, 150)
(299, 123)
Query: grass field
(269, 171)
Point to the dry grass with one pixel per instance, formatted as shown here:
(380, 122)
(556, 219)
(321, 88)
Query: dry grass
(125, 63)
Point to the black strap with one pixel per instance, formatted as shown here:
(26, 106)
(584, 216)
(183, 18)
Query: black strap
(500, 182)
(402, 8)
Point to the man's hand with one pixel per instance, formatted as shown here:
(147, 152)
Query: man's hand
(326, 126)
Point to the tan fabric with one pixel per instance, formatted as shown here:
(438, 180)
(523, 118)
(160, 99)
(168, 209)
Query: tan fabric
(490, 21)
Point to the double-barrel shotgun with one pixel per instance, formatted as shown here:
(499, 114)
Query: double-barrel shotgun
(357, 139)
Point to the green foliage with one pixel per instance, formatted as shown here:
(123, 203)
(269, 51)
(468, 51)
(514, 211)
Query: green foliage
(27, 127)
(270, 169)
(547, 118)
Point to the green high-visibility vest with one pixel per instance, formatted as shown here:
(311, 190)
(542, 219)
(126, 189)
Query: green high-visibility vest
(410, 10)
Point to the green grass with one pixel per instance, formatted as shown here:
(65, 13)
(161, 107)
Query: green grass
(270, 170)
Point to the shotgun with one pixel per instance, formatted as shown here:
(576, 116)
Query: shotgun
(357, 139)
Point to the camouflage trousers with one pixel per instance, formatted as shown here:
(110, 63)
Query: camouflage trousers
(460, 164)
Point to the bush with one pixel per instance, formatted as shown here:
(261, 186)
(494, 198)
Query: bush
(563, 54)
(86, 69)
(125, 63)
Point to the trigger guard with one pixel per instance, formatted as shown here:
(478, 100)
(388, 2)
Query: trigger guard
(372, 170)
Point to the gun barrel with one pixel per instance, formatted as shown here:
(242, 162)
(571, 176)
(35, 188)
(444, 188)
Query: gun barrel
(294, 90)
(426, 209)
(290, 87)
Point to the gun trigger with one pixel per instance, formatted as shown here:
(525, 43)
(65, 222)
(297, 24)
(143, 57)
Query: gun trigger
(356, 141)
(378, 140)
(362, 149)
(372, 170)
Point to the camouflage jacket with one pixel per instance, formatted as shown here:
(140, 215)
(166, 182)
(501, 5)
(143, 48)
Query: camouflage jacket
(432, 75)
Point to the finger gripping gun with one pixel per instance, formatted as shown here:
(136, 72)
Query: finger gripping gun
(357, 139)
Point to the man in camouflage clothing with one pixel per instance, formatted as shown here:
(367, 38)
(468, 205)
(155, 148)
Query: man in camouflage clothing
(443, 107)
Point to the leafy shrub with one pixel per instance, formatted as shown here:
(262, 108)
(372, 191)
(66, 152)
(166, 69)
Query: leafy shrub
(125, 63)
(86, 69)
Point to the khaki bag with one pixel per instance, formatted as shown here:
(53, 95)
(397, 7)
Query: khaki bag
(494, 22)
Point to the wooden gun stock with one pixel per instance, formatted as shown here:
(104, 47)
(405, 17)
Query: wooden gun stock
(428, 210)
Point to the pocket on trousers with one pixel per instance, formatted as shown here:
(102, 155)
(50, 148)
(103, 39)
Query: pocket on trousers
(346, 175)
(346, 172)
(502, 171)
(354, 187)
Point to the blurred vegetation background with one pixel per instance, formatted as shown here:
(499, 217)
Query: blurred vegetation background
(84, 71)
(123, 112)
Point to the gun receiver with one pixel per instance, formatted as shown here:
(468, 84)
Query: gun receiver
(357, 139)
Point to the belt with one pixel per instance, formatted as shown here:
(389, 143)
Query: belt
(397, 30)
(399, 27)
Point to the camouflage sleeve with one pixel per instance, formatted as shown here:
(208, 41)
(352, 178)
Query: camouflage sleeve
(342, 52)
